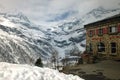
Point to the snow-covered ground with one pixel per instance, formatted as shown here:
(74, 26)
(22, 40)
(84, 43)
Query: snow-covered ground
(26, 72)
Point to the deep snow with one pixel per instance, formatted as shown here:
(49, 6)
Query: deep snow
(26, 72)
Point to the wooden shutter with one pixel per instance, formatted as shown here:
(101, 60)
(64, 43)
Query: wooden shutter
(105, 30)
(97, 30)
(118, 27)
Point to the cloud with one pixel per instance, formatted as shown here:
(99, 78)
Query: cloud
(61, 16)
(48, 12)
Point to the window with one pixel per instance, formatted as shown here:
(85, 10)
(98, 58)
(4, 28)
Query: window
(89, 48)
(112, 29)
(113, 47)
(91, 33)
(101, 47)
(100, 31)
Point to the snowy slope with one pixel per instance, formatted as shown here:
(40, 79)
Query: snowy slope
(66, 38)
(26, 72)
(21, 41)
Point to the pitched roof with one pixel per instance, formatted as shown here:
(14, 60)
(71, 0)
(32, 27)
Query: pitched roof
(103, 21)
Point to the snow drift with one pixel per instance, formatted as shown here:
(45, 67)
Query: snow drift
(26, 72)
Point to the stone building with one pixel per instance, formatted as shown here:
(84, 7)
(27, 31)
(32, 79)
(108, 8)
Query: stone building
(103, 37)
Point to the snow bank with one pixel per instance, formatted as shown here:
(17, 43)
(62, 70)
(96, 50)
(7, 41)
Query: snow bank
(25, 72)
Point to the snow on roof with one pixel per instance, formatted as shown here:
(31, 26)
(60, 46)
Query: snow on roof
(102, 21)
(25, 72)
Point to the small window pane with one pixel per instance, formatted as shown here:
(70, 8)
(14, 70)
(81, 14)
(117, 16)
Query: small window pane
(100, 31)
(91, 33)
(113, 29)
(113, 47)
(91, 47)
(101, 47)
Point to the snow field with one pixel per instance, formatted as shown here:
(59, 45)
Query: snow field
(26, 72)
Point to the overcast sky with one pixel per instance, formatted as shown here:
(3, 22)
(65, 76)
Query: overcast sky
(48, 12)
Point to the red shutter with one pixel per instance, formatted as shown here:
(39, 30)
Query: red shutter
(105, 30)
(119, 27)
(97, 31)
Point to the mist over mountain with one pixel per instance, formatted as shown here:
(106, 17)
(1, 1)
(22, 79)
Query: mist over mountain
(21, 41)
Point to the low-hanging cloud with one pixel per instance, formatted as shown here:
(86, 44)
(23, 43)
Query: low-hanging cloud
(48, 11)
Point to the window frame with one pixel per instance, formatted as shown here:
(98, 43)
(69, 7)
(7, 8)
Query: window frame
(113, 47)
(90, 48)
(111, 27)
(102, 47)
(91, 33)
(100, 31)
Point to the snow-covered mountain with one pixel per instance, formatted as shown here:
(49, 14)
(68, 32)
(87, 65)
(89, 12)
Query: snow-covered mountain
(68, 36)
(21, 41)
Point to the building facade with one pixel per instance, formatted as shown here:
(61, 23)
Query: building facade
(103, 37)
